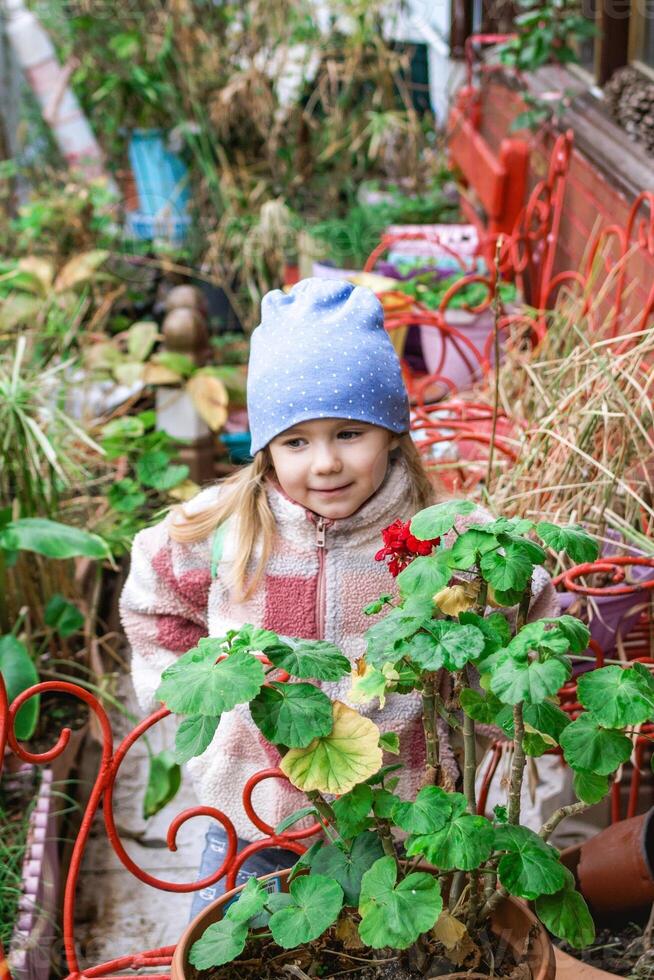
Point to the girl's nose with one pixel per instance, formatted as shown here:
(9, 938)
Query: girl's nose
(326, 460)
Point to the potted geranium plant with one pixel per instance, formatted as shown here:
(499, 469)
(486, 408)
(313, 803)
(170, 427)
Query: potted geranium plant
(457, 881)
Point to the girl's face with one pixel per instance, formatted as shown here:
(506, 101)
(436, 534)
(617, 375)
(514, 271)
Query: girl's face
(332, 466)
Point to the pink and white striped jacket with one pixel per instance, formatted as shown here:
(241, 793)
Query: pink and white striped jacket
(319, 577)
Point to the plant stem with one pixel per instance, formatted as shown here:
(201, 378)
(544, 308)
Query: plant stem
(523, 608)
(475, 902)
(517, 765)
(322, 806)
(458, 884)
(497, 310)
(432, 763)
(469, 755)
(565, 811)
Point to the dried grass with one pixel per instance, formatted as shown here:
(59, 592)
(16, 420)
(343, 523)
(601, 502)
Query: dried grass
(587, 450)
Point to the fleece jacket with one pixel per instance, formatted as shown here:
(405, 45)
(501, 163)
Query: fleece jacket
(317, 581)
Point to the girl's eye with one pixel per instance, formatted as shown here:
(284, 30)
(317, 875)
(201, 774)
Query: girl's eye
(349, 434)
(294, 443)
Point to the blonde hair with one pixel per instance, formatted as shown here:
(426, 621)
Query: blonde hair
(244, 498)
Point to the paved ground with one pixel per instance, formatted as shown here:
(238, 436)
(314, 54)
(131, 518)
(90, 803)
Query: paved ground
(116, 913)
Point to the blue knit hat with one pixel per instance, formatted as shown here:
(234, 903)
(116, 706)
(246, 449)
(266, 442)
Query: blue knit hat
(321, 351)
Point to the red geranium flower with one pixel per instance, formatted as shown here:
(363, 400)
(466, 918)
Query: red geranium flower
(401, 547)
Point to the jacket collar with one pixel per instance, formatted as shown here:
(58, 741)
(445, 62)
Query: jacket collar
(386, 505)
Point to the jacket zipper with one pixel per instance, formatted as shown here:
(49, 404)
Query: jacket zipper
(320, 587)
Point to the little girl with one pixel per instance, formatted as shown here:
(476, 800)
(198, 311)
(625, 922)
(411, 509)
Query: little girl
(288, 542)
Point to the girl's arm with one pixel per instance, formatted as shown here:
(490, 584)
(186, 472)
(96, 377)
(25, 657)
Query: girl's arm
(163, 605)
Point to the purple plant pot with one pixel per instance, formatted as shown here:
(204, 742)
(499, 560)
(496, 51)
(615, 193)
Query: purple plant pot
(34, 932)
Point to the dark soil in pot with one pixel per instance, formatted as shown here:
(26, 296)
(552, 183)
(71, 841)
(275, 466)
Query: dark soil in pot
(328, 957)
(618, 951)
(517, 948)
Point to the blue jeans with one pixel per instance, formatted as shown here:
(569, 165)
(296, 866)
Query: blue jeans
(263, 862)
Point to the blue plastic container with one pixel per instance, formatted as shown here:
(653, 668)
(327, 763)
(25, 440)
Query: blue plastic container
(162, 185)
(238, 445)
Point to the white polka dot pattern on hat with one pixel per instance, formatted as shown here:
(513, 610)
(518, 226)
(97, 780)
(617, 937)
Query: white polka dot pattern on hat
(322, 322)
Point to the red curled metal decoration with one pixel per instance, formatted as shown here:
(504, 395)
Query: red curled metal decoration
(615, 567)
(102, 790)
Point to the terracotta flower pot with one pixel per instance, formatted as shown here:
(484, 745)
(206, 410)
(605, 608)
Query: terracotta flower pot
(512, 922)
(615, 868)
(569, 968)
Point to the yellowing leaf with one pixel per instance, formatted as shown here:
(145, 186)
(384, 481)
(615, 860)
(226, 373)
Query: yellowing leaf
(455, 599)
(157, 374)
(545, 737)
(80, 269)
(454, 936)
(141, 338)
(210, 398)
(184, 491)
(347, 933)
(18, 308)
(371, 683)
(128, 373)
(338, 761)
(40, 269)
(102, 356)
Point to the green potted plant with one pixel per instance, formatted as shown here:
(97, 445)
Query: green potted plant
(460, 872)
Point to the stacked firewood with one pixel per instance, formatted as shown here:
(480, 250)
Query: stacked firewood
(630, 99)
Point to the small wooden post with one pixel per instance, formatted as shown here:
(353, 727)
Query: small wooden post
(185, 331)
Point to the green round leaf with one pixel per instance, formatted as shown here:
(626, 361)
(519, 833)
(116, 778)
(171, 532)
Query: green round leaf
(19, 673)
(311, 658)
(428, 813)
(395, 915)
(590, 787)
(154, 469)
(336, 762)
(464, 842)
(542, 636)
(398, 625)
(456, 645)
(571, 538)
(469, 546)
(196, 684)
(347, 866)
(127, 427)
(352, 810)
(221, 943)
(292, 714)
(529, 873)
(126, 496)
(617, 696)
(425, 576)
(435, 521)
(194, 735)
(508, 571)
(62, 616)
(315, 904)
(479, 707)
(566, 915)
(547, 719)
(249, 903)
(531, 551)
(589, 747)
(531, 681)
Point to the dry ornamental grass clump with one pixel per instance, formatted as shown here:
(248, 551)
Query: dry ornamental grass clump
(586, 449)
